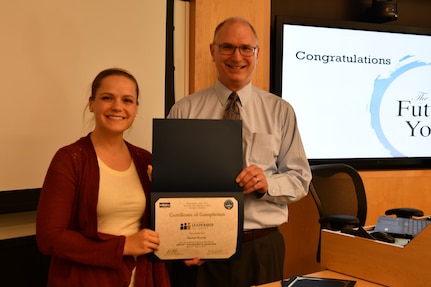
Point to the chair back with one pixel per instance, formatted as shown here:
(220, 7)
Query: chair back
(337, 189)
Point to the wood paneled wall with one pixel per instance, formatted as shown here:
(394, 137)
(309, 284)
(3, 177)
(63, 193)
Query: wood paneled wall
(396, 188)
(385, 189)
(205, 15)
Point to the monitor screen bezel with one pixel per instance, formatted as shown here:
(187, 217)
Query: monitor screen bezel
(370, 163)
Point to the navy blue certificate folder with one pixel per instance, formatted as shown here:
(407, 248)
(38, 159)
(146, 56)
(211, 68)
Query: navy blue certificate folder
(195, 163)
(305, 281)
(192, 155)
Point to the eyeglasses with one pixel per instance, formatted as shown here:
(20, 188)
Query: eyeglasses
(229, 49)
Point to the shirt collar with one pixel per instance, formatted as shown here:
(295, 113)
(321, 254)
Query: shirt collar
(223, 93)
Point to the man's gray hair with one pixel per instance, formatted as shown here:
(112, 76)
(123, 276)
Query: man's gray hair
(233, 20)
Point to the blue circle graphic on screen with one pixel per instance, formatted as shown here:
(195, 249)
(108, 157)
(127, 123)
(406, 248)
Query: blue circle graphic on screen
(400, 108)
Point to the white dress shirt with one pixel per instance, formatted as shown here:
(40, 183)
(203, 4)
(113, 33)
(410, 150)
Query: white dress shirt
(271, 140)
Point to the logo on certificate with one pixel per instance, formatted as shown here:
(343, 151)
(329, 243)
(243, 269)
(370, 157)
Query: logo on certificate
(228, 204)
(196, 225)
(164, 204)
(185, 226)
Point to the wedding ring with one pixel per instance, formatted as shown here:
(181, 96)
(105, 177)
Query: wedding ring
(257, 179)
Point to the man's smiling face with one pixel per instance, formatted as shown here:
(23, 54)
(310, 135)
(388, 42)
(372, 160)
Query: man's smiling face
(234, 71)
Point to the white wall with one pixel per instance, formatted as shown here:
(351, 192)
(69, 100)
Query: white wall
(50, 52)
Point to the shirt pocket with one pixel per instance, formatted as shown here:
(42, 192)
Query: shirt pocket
(262, 151)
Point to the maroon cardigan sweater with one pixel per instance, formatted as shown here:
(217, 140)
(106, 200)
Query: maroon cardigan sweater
(66, 226)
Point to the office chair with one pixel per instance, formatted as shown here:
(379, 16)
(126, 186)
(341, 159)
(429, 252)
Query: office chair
(339, 194)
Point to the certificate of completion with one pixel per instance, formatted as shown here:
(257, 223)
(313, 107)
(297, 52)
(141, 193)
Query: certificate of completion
(197, 226)
(196, 206)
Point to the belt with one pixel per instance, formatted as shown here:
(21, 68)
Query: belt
(257, 233)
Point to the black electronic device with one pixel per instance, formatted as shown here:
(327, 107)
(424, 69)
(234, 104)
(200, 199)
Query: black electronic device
(401, 227)
(374, 235)
(382, 11)
(382, 236)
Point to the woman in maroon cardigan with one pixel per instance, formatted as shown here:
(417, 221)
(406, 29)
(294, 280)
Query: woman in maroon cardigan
(93, 214)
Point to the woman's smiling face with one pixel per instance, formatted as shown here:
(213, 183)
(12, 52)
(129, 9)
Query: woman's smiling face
(115, 104)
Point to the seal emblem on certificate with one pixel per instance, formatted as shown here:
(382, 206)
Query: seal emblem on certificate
(196, 206)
